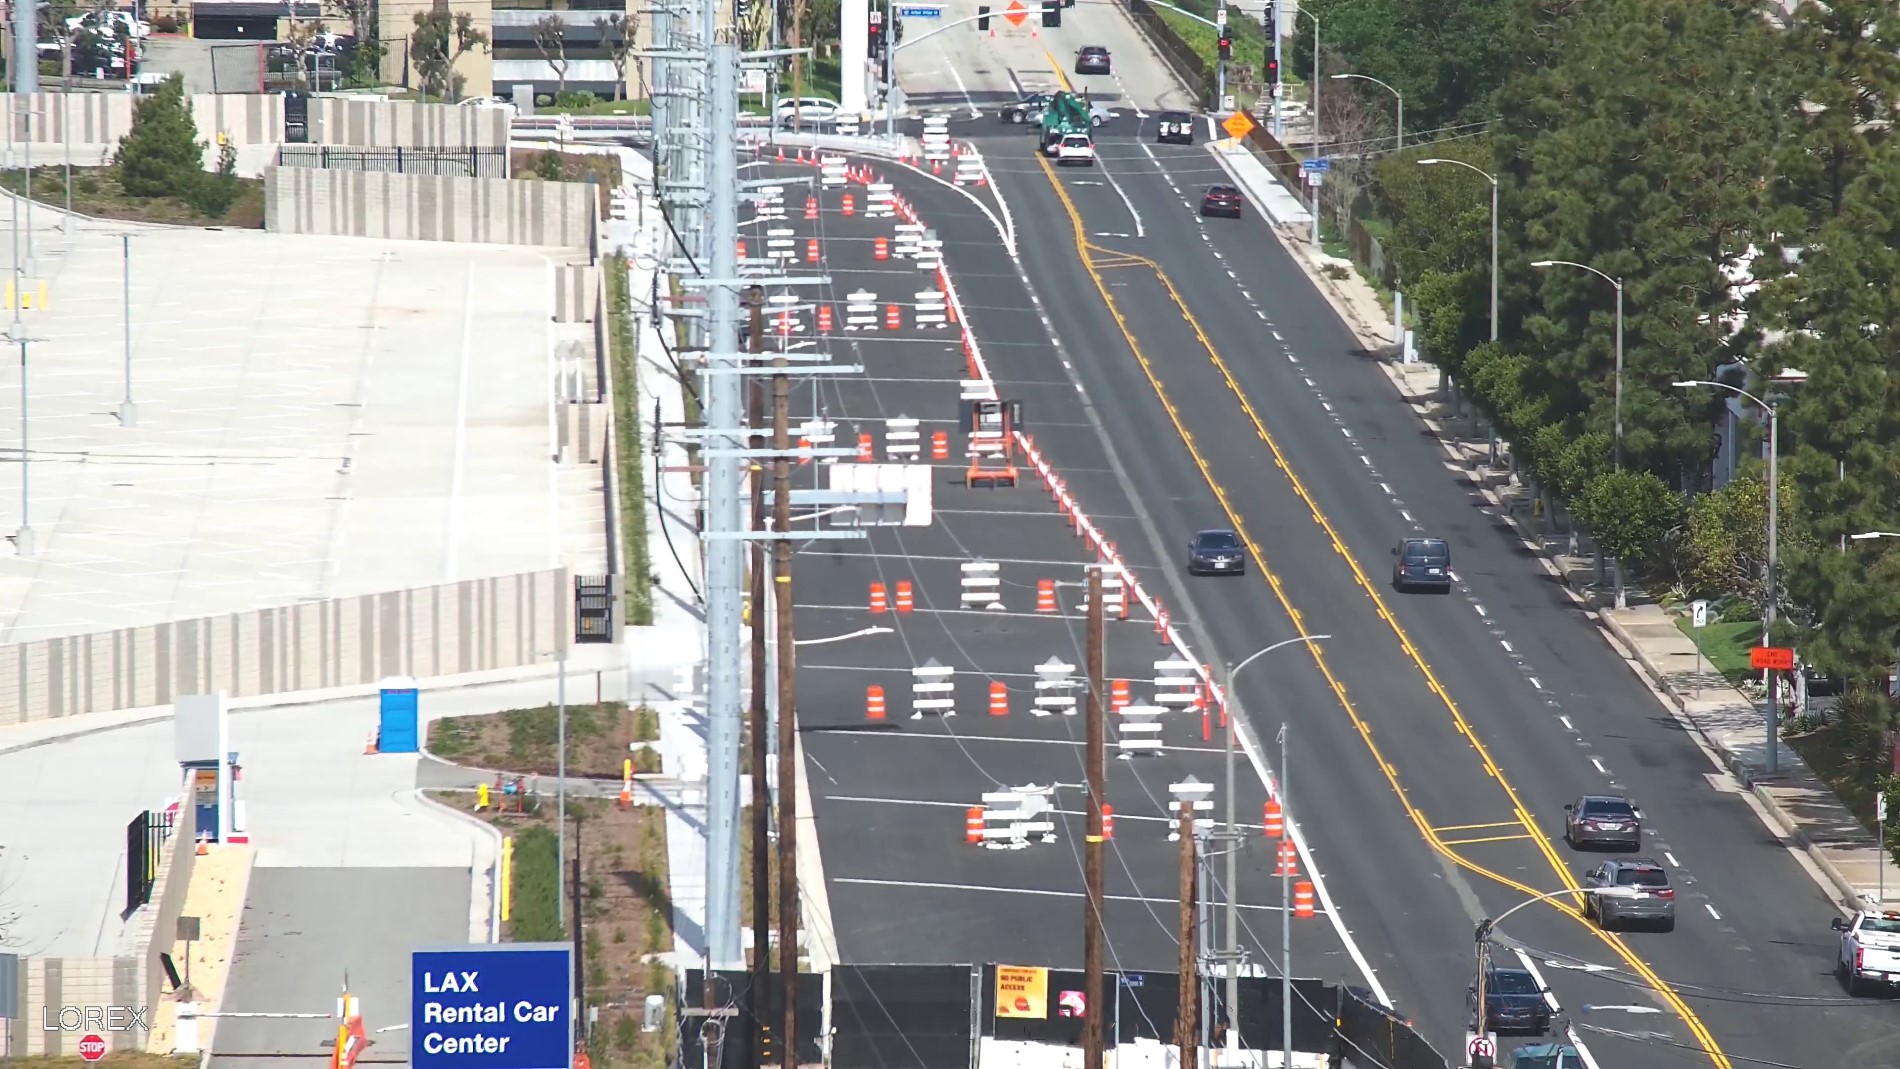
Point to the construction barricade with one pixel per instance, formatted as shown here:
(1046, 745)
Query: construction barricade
(933, 689)
(860, 310)
(982, 583)
(831, 171)
(902, 440)
(930, 310)
(1056, 685)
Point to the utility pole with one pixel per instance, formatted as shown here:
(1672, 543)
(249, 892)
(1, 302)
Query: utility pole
(1186, 1027)
(1096, 759)
(724, 519)
(579, 1013)
(1286, 915)
(787, 710)
(761, 791)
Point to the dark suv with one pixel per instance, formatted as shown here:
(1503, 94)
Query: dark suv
(1421, 562)
(1513, 1002)
(1221, 200)
(1174, 128)
(1092, 59)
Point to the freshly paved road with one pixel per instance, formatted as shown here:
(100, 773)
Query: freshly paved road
(890, 798)
(1524, 675)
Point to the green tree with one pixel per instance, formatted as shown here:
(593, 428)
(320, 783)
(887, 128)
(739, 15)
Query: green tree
(1446, 56)
(161, 156)
(439, 42)
(211, 194)
(1640, 147)
(1627, 513)
(1723, 545)
(1440, 243)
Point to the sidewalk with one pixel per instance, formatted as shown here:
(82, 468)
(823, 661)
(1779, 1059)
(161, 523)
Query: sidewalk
(1796, 804)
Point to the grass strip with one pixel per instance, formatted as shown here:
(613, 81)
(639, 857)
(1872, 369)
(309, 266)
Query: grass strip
(637, 578)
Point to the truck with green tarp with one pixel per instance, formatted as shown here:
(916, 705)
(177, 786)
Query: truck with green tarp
(1066, 115)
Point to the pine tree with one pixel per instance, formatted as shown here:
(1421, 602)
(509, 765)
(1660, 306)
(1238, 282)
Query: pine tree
(161, 156)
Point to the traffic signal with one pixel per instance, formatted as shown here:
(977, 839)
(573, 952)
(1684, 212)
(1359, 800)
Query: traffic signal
(1273, 70)
(1051, 13)
(1226, 47)
(983, 17)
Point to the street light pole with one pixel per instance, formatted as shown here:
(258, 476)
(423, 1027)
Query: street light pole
(1491, 178)
(1616, 447)
(23, 538)
(1399, 127)
(128, 412)
(560, 777)
(1231, 703)
(1771, 763)
(1489, 924)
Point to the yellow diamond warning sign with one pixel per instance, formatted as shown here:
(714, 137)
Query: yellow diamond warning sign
(1238, 125)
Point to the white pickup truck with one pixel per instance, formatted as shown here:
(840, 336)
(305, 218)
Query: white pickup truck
(1870, 951)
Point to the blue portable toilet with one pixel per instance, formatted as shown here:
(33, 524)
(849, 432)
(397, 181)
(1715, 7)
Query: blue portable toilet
(398, 705)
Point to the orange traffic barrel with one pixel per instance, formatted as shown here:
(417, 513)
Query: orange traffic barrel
(940, 445)
(874, 702)
(1276, 824)
(973, 824)
(1108, 821)
(905, 600)
(879, 601)
(1302, 899)
(1045, 595)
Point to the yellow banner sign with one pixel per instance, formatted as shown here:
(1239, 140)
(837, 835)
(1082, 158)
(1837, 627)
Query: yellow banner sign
(1022, 991)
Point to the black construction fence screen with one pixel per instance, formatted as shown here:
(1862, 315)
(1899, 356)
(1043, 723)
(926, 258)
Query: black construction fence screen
(457, 162)
(732, 1033)
(144, 847)
(935, 1016)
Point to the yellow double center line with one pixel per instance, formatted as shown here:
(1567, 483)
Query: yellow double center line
(1086, 252)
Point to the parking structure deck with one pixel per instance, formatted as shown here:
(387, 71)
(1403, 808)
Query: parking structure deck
(892, 796)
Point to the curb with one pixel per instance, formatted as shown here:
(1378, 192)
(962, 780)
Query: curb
(491, 874)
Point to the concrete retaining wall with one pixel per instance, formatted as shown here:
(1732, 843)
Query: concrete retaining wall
(133, 977)
(416, 207)
(258, 119)
(575, 293)
(472, 626)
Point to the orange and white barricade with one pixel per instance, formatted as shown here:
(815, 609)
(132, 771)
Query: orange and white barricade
(1056, 685)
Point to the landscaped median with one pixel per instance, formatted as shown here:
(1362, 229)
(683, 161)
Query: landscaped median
(626, 908)
(629, 476)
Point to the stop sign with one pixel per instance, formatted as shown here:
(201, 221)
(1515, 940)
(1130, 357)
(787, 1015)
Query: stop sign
(92, 1047)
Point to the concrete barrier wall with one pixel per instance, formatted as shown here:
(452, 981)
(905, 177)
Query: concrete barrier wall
(575, 288)
(472, 626)
(420, 207)
(258, 119)
(56, 982)
(153, 928)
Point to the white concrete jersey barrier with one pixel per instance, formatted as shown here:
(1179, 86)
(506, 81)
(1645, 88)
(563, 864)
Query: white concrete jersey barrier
(1139, 731)
(1177, 683)
(831, 172)
(930, 254)
(909, 240)
(932, 690)
(880, 201)
(781, 244)
(860, 310)
(1011, 818)
(982, 583)
(930, 309)
(1201, 805)
(1055, 688)
(902, 439)
(1114, 595)
(936, 139)
(770, 203)
(970, 170)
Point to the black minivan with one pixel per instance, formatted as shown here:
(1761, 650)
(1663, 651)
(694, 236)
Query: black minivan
(1421, 563)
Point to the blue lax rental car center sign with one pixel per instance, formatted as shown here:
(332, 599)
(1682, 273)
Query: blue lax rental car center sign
(500, 1006)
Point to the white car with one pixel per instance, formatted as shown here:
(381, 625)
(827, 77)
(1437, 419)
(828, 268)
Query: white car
(1870, 951)
(816, 110)
(1075, 150)
(110, 23)
(1099, 114)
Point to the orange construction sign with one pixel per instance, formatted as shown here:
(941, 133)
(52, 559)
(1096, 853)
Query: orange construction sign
(1772, 658)
(1016, 12)
(1238, 125)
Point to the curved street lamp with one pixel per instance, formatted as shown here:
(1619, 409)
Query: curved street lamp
(1617, 443)
(1493, 179)
(1400, 122)
(1489, 924)
(1771, 715)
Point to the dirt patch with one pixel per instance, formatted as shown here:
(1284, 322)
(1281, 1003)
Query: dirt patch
(524, 740)
(553, 165)
(96, 192)
(626, 911)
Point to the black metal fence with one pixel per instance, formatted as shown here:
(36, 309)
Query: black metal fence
(456, 163)
(145, 840)
(915, 1016)
(734, 1023)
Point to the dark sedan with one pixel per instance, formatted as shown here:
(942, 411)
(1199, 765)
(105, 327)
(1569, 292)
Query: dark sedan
(1092, 59)
(1603, 820)
(1221, 200)
(1421, 562)
(1216, 552)
(1174, 128)
(1513, 1002)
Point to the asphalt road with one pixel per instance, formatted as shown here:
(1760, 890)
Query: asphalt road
(1493, 706)
(296, 919)
(890, 797)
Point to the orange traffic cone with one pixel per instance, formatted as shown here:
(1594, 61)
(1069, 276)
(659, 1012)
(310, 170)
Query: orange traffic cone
(204, 844)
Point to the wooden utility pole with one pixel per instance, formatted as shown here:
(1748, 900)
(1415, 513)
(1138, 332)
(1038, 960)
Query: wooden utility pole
(1186, 1019)
(798, 66)
(1095, 1017)
(787, 711)
(759, 729)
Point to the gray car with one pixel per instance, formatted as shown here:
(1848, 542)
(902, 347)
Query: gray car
(1650, 899)
(1603, 820)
